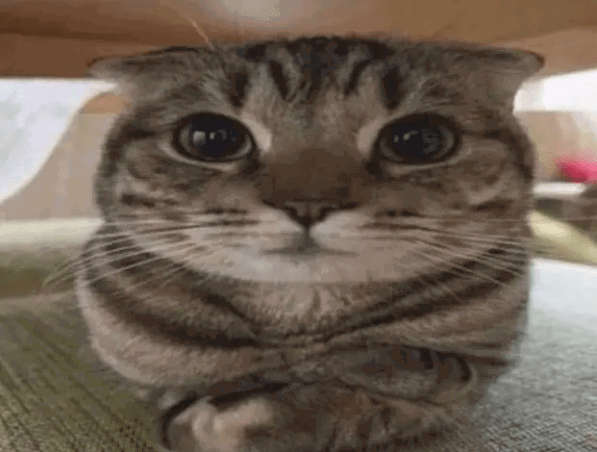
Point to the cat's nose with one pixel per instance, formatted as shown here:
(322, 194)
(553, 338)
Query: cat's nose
(309, 212)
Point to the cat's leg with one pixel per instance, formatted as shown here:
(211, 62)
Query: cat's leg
(318, 417)
(205, 427)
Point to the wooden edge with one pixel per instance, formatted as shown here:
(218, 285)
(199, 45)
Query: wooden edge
(41, 56)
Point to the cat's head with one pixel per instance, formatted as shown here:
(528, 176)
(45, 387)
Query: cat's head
(318, 159)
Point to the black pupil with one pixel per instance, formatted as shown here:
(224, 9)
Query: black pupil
(415, 142)
(215, 137)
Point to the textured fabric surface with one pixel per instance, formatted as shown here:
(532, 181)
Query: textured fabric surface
(54, 397)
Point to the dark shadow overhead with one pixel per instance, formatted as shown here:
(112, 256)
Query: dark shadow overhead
(73, 31)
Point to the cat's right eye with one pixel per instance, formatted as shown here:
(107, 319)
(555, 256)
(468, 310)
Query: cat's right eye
(212, 137)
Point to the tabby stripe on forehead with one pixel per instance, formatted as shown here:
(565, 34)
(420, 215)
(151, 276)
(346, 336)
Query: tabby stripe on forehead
(237, 90)
(255, 53)
(378, 53)
(353, 79)
(276, 72)
(390, 84)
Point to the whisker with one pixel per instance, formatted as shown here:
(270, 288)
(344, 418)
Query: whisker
(454, 271)
(525, 242)
(184, 16)
(492, 262)
(178, 211)
(114, 237)
(436, 282)
(405, 228)
(93, 248)
(567, 218)
(484, 238)
(474, 239)
(136, 264)
(82, 262)
(451, 264)
(180, 265)
(507, 220)
(150, 234)
(170, 229)
(174, 267)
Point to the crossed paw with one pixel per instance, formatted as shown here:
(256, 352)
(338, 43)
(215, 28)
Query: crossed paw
(203, 427)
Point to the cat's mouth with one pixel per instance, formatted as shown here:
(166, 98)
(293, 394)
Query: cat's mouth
(305, 246)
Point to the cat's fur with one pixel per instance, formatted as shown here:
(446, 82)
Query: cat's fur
(396, 333)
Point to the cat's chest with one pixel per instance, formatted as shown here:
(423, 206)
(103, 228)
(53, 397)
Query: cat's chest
(384, 371)
(296, 310)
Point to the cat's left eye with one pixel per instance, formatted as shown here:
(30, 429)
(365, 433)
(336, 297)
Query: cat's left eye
(213, 137)
(417, 139)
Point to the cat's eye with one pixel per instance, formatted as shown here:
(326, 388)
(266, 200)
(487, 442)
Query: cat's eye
(417, 139)
(213, 137)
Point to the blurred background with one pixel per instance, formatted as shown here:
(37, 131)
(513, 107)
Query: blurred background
(53, 119)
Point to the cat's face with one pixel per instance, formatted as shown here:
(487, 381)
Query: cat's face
(318, 160)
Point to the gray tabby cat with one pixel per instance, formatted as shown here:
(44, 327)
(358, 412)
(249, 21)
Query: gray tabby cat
(300, 249)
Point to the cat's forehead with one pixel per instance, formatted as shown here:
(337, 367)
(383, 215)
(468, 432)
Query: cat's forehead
(321, 73)
(302, 80)
(317, 63)
(308, 70)
(302, 68)
(318, 73)
(297, 71)
(314, 82)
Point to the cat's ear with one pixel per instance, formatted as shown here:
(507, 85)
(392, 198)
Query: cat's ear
(500, 71)
(147, 72)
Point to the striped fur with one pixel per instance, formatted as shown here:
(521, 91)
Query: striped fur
(194, 288)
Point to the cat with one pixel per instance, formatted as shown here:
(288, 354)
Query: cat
(312, 244)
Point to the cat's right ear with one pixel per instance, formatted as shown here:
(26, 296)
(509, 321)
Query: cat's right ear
(145, 73)
(499, 72)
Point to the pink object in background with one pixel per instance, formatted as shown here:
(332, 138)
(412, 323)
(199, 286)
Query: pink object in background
(578, 170)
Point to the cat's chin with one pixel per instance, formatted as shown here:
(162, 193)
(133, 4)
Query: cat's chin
(313, 265)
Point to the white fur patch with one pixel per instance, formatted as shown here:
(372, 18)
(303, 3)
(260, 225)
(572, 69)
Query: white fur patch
(224, 431)
(261, 133)
(367, 134)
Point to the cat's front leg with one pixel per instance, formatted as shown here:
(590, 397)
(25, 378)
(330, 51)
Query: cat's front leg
(310, 418)
(220, 425)
(204, 427)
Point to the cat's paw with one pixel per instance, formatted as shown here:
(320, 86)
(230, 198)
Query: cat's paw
(203, 427)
